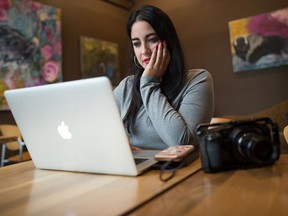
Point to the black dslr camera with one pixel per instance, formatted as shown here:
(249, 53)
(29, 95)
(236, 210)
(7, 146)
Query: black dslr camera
(238, 144)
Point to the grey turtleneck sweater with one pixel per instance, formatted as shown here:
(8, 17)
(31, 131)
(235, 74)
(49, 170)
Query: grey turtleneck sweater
(160, 124)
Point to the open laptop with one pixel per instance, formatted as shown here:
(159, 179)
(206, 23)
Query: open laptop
(75, 126)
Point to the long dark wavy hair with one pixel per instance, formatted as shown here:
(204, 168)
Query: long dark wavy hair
(172, 81)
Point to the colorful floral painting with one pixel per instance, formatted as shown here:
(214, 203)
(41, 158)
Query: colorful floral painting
(99, 58)
(30, 45)
(260, 41)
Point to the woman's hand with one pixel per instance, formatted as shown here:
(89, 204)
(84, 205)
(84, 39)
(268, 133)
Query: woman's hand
(159, 61)
(134, 147)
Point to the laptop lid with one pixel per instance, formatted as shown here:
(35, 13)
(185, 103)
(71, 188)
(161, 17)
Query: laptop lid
(74, 126)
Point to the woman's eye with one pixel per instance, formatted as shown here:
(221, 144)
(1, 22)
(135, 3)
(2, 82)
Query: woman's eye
(153, 40)
(136, 44)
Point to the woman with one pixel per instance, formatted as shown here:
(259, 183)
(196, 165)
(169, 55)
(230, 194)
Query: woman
(161, 103)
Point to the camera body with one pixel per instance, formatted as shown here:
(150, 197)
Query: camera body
(238, 144)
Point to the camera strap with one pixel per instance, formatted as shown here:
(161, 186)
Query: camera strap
(169, 168)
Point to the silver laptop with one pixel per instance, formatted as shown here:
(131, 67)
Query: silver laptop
(75, 126)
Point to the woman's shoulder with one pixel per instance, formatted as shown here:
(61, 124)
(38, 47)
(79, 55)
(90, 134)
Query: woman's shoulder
(124, 88)
(196, 76)
(126, 82)
(200, 73)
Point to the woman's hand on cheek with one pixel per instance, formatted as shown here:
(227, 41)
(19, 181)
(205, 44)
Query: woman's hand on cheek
(159, 61)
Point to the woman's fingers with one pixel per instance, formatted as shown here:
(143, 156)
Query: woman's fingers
(159, 55)
(134, 147)
(166, 56)
(158, 62)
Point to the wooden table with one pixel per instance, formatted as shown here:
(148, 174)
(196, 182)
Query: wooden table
(25, 190)
(261, 191)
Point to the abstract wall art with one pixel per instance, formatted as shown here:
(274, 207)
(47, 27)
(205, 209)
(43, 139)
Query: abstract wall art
(259, 41)
(99, 58)
(30, 45)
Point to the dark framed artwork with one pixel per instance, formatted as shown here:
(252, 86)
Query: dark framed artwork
(259, 41)
(99, 58)
(30, 45)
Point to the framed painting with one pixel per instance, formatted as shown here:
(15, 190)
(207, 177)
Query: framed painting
(99, 58)
(30, 45)
(259, 41)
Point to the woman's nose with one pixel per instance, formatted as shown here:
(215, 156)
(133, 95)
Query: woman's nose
(145, 49)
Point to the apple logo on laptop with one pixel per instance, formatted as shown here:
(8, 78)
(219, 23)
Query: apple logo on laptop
(63, 131)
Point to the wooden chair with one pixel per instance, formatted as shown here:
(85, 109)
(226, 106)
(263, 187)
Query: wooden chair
(17, 145)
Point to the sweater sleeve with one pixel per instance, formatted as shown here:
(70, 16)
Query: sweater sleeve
(177, 125)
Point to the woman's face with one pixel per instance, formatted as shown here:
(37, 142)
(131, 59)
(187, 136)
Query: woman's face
(144, 40)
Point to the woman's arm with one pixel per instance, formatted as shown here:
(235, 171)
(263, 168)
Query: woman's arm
(177, 125)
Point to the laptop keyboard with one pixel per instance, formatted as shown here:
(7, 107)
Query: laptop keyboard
(139, 160)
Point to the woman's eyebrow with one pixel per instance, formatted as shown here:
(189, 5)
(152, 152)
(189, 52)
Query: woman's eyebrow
(134, 39)
(151, 34)
(147, 36)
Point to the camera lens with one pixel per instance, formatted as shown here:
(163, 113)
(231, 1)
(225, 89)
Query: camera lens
(255, 147)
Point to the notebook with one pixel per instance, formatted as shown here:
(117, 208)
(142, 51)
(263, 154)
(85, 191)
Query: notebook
(76, 126)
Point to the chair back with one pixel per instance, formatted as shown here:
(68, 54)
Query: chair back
(11, 130)
(285, 132)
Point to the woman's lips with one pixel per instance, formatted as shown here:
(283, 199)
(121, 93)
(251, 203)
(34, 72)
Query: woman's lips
(146, 61)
